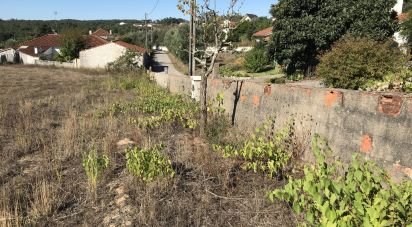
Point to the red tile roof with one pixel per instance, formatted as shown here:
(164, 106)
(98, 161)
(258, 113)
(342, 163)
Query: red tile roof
(45, 42)
(30, 50)
(51, 40)
(264, 33)
(131, 47)
(101, 32)
(94, 41)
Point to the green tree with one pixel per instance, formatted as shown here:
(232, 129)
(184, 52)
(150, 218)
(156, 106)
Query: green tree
(304, 29)
(177, 41)
(72, 43)
(355, 63)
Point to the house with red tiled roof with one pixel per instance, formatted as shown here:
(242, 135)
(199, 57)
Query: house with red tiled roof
(101, 56)
(104, 34)
(264, 34)
(47, 47)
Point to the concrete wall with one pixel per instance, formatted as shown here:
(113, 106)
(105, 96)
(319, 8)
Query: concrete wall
(174, 83)
(377, 124)
(72, 65)
(100, 56)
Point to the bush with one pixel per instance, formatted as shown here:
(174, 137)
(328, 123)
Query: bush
(359, 195)
(127, 62)
(266, 151)
(256, 60)
(354, 62)
(148, 164)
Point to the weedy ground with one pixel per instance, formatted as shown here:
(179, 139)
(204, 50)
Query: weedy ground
(51, 118)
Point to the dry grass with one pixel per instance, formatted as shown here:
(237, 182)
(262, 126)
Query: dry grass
(179, 65)
(50, 117)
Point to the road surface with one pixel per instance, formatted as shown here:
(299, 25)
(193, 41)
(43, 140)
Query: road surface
(164, 64)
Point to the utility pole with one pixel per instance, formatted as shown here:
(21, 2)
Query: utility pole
(192, 38)
(145, 27)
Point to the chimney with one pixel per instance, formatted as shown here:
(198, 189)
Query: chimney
(36, 51)
(90, 32)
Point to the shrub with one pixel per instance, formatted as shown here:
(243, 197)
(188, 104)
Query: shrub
(256, 60)
(354, 62)
(231, 71)
(93, 165)
(148, 164)
(127, 62)
(360, 195)
(266, 151)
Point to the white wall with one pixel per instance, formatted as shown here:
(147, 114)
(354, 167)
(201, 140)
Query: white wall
(398, 7)
(100, 56)
(27, 59)
(10, 53)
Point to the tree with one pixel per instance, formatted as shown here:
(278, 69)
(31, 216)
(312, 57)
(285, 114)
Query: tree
(177, 41)
(304, 29)
(72, 43)
(210, 39)
(355, 63)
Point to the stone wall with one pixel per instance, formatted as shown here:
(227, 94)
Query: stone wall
(377, 124)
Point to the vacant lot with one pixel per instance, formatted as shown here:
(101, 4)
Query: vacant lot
(50, 118)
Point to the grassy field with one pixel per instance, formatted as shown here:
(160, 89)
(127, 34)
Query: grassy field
(51, 118)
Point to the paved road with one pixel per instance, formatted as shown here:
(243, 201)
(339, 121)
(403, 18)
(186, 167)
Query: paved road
(164, 64)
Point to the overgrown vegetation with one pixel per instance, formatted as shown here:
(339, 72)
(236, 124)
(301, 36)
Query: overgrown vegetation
(129, 61)
(148, 163)
(93, 165)
(361, 63)
(177, 41)
(156, 106)
(361, 194)
(265, 151)
(257, 59)
(72, 43)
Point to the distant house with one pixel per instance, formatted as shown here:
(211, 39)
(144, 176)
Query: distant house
(101, 56)
(102, 33)
(264, 35)
(249, 17)
(47, 47)
(8, 55)
(44, 47)
(398, 8)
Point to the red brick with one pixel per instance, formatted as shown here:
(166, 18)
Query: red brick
(390, 105)
(332, 97)
(366, 144)
(256, 100)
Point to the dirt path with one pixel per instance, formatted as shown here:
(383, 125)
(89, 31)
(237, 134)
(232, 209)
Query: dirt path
(164, 64)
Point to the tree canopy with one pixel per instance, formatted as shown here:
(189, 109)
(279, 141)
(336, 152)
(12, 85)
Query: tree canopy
(304, 29)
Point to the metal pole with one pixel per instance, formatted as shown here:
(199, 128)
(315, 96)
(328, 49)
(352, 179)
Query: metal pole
(145, 26)
(194, 39)
(191, 39)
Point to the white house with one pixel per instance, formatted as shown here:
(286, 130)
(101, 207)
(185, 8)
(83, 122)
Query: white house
(101, 56)
(48, 46)
(7, 55)
(249, 17)
(401, 40)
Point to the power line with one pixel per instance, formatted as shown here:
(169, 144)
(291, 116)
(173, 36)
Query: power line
(154, 8)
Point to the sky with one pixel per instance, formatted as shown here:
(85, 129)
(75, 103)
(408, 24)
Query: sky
(113, 9)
